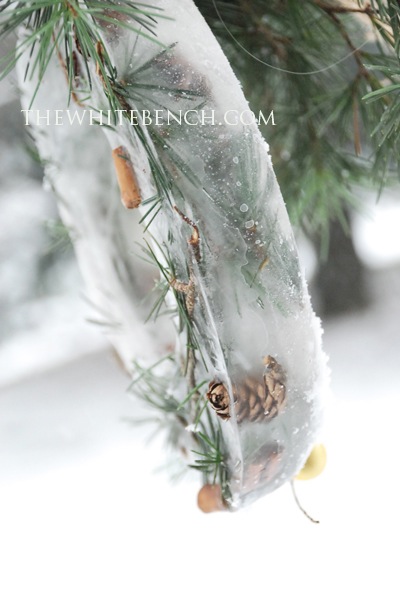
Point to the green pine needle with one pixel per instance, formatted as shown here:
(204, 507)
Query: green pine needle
(72, 26)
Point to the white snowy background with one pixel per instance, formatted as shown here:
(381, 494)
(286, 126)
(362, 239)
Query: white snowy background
(86, 512)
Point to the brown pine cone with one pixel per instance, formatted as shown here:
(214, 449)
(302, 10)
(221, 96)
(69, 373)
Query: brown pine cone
(255, 401)
(219, 399)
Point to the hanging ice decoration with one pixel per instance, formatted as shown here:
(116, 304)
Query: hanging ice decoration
(244, 389)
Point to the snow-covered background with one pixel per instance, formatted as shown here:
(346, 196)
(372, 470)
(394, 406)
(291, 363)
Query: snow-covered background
(86, 512)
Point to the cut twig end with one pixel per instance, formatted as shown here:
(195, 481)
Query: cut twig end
(209, 499)
(127, 180)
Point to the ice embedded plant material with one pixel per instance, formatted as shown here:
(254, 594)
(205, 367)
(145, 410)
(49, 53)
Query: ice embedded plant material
(251, 371)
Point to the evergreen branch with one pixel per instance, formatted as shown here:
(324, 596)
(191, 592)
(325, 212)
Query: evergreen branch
(190, 394)
(213, 461)
(319, 117)
(378, 93)
(80, 24)
(356, 52)
(153, 389)
(167, 271)
(60, 236)
(212, 458)
(144, 372)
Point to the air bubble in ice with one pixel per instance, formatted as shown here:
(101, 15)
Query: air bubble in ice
(249, 224)
(244, 207)
(235, 160)
(238, 184)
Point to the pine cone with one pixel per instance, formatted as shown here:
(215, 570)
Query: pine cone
(219, 399)
(264, 466)
(254, 401)
(250, 398)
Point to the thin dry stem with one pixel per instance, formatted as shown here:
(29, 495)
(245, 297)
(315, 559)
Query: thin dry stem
(299, 505)
(344, 8)
(65, 70)
(194, 240)
(356, 126)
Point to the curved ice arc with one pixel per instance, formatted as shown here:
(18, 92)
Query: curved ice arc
(251, 304)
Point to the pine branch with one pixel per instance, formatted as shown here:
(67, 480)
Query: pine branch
(337, 116)
(77, 26)
(152, 387)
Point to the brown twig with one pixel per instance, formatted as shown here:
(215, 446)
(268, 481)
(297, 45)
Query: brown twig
(356, 125)
(341, 9)
(362, 71)
(64, 67)
(194, 240)
(189, 289)
(100, 53)
(72, 9)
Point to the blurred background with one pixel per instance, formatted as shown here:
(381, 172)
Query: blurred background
(87, 508)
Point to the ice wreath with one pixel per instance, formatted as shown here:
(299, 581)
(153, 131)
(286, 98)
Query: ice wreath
(242, 383)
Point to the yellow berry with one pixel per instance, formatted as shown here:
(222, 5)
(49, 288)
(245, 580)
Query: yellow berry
(314, 465)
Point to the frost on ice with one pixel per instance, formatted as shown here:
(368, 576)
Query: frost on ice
(245, 324)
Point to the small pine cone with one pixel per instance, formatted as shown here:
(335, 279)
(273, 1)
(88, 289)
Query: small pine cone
(250, 403)
(264, 466)
(256, 401)
(219, 398)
